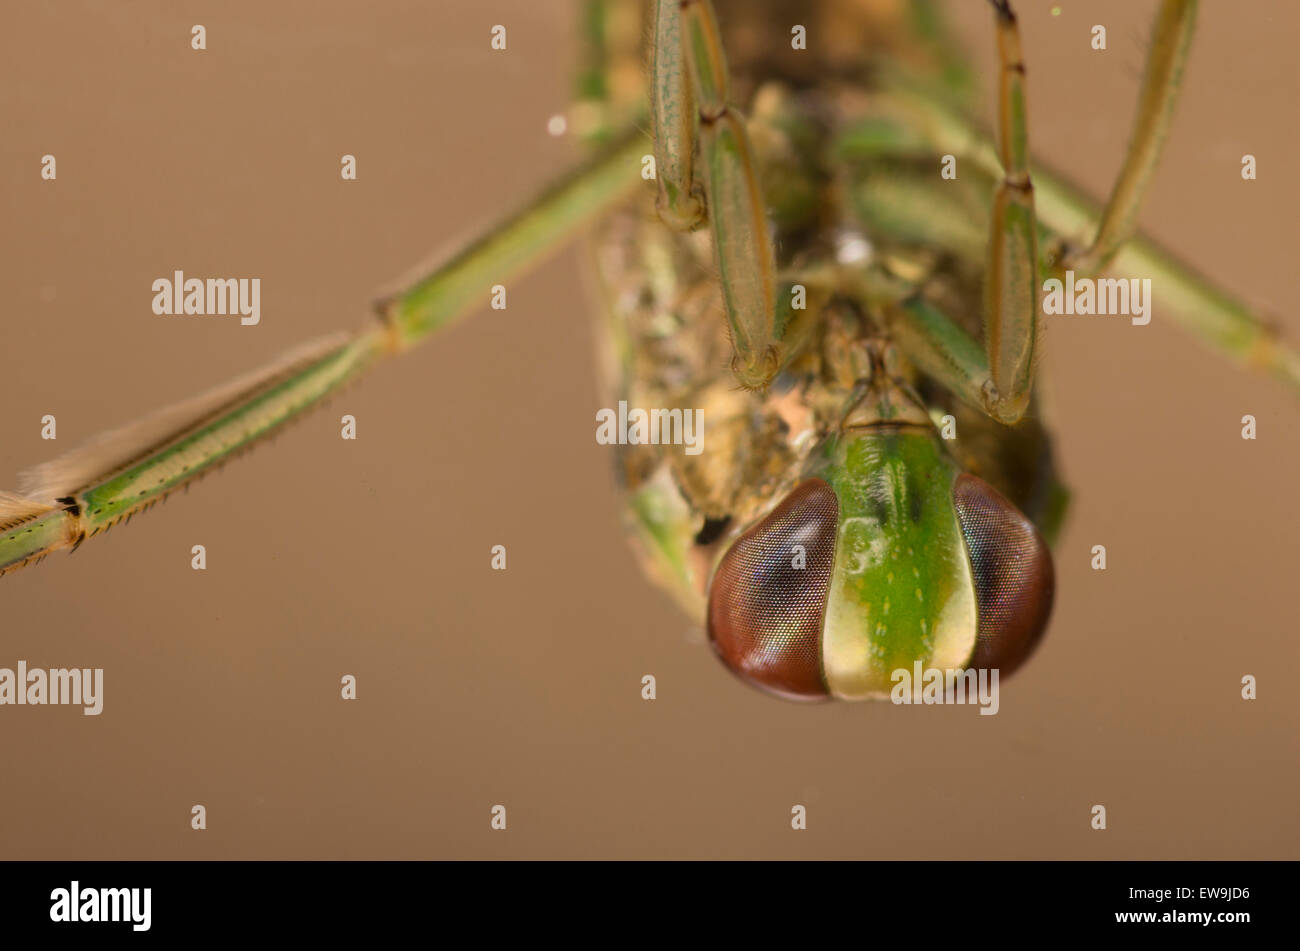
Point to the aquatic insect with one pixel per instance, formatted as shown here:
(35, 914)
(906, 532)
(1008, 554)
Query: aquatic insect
(815, 286)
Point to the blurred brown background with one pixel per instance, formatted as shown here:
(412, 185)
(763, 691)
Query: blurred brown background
(523, 688)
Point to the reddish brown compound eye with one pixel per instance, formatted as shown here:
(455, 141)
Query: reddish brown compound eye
(769, 593)
(1012, 570)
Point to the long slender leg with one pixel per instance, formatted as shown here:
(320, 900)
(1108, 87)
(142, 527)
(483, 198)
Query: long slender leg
(1171, 38)
(93, 488)
(611, 80)
(937, 343)
(1223, 323)
(697, 113)
(1219, 320)
(1011, 302)
(1000, 379)
(940, 347)
(741, 242)
(681, 199)
(444, 290)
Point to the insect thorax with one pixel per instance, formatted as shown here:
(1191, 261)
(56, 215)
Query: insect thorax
(666, 345)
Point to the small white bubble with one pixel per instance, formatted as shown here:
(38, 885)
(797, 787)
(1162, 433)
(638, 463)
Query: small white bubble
(556, 125)
(851, 248)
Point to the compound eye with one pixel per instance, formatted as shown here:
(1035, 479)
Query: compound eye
(1012, 570)
(769, 594)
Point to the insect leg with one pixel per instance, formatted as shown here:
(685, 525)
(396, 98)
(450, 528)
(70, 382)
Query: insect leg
(940, 347)
(1170, 40)
(997, 379)
(91, 489)
(1011, 297)
(445, 289)
(736, 211)
(611, 90)
(1220, 320)
(681, 198)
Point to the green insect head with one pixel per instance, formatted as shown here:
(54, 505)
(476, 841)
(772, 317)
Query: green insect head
(885, 554)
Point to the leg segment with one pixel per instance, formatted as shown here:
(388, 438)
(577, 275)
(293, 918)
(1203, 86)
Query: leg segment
(998, 380)
(742, 245)
(940, 347)
(611, 91)
(1170, 40)
(681, 198)
(1011, 307)
(446, 289)
(1221, 321)
(91, 489)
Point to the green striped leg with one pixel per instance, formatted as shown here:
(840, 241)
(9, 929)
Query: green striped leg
(1000, 378)
(691, 107)
(93, 488)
